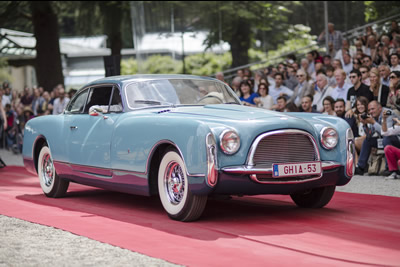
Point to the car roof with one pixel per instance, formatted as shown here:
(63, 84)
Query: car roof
(123, 79)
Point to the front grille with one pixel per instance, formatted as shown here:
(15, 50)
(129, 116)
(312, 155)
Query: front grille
(284, 147)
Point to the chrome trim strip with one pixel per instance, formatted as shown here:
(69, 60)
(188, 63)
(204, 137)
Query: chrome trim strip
(277, 181)
(253, 148)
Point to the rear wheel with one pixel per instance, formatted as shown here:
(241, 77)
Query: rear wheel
(173, 188)
(51, 184)
(314, 198)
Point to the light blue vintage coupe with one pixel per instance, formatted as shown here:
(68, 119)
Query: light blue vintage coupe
(184, 138)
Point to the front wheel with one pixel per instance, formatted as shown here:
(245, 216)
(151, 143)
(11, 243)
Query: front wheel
(173, 188)
(52, 185)
(314, 198)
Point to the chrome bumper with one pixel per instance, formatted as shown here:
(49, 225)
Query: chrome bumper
(253, 172)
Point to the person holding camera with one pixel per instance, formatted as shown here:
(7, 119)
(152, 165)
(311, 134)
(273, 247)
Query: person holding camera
(392, 152)
(373, 126)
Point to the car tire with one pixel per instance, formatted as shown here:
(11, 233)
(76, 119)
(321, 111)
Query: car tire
(314, 198)
(173, 187)
(52, 185)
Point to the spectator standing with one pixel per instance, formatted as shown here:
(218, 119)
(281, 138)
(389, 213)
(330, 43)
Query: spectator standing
(347, 64)
(60, 103)
(281, 104)
(380, 92)
(384, 71)
(392, 153)
(322, 90)
(341, 89)
(264, 100)
(334, 37)
(302, 89)
(340, 110)
(364, 70)
(37, 102)
(306, 104)
(394, 94)
(47, 108)
(356, 63)
(394, 61)
(358, 89)
(329, 105)
(27, 97)
(247, 95)
(330, 76)
(278, 89)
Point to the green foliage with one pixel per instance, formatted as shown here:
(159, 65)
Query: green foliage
(129, 66)
(298, 41)
(4, 74)
(370, 12)
(207, 63)
(156, 64)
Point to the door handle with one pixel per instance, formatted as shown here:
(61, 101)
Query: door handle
(73, 127)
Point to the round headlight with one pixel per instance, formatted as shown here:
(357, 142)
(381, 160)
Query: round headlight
(329, 138)
(229, 142)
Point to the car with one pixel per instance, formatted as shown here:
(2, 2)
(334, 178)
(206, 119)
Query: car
(185, 138)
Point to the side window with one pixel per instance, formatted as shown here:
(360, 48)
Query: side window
(99, 96)
(77, 104)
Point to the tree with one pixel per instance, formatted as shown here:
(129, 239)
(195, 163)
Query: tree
(236, 22)
(48, 57)
(41, 17)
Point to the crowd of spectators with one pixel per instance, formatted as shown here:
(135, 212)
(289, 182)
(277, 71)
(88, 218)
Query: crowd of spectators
(18, 107)
(357, 81)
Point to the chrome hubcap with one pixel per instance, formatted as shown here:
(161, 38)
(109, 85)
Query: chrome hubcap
(174, 182)
(47, 170)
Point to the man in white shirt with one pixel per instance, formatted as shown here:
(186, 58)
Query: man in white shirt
(384, 72)
(321, 91)
(60, 103)
(394, 61)
(347, 64)
(279, 89)
(340, 91)
(302, 89)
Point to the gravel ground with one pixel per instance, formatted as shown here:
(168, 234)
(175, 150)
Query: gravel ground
(27, 244)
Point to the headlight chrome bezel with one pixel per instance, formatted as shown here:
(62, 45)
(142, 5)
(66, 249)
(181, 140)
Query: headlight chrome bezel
(329, 132)
(226, 136)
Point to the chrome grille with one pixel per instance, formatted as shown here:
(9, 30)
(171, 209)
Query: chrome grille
(284, 147)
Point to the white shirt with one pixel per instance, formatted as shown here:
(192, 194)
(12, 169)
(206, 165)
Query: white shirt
(341, 92)
(320, 95)
(58, 107)
(275, 92)
(395, 68)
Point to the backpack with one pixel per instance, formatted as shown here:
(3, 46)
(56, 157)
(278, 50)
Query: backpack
(376, 161)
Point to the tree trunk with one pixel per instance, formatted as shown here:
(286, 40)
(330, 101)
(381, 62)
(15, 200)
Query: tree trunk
(113, 13)
(240, 44)
(48, 57)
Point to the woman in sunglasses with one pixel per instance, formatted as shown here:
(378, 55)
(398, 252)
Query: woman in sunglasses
(394, 94)
(356, 63)
(379, 90)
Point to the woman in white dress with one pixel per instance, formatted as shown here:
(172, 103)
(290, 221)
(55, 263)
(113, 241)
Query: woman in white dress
(264, 100)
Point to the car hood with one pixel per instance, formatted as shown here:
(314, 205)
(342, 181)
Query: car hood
(230, 112)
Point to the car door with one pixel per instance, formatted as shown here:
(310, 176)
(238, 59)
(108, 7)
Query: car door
(89, 140)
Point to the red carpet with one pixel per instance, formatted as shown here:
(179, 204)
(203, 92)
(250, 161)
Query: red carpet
(354, 229)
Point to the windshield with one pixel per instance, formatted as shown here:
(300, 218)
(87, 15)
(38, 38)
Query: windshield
(178, 92)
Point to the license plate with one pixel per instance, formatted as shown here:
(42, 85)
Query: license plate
(296, 169)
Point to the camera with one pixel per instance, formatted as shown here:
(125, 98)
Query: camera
(388, 112)
(364, 116)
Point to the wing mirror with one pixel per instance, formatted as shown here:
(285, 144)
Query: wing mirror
(95, 111)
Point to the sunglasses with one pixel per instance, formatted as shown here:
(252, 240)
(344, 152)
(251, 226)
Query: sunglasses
(363, 72)
(392, 77)
(299, 76)
(352, 77)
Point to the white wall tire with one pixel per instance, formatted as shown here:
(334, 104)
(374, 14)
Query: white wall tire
(173, 187)
(52, 185)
